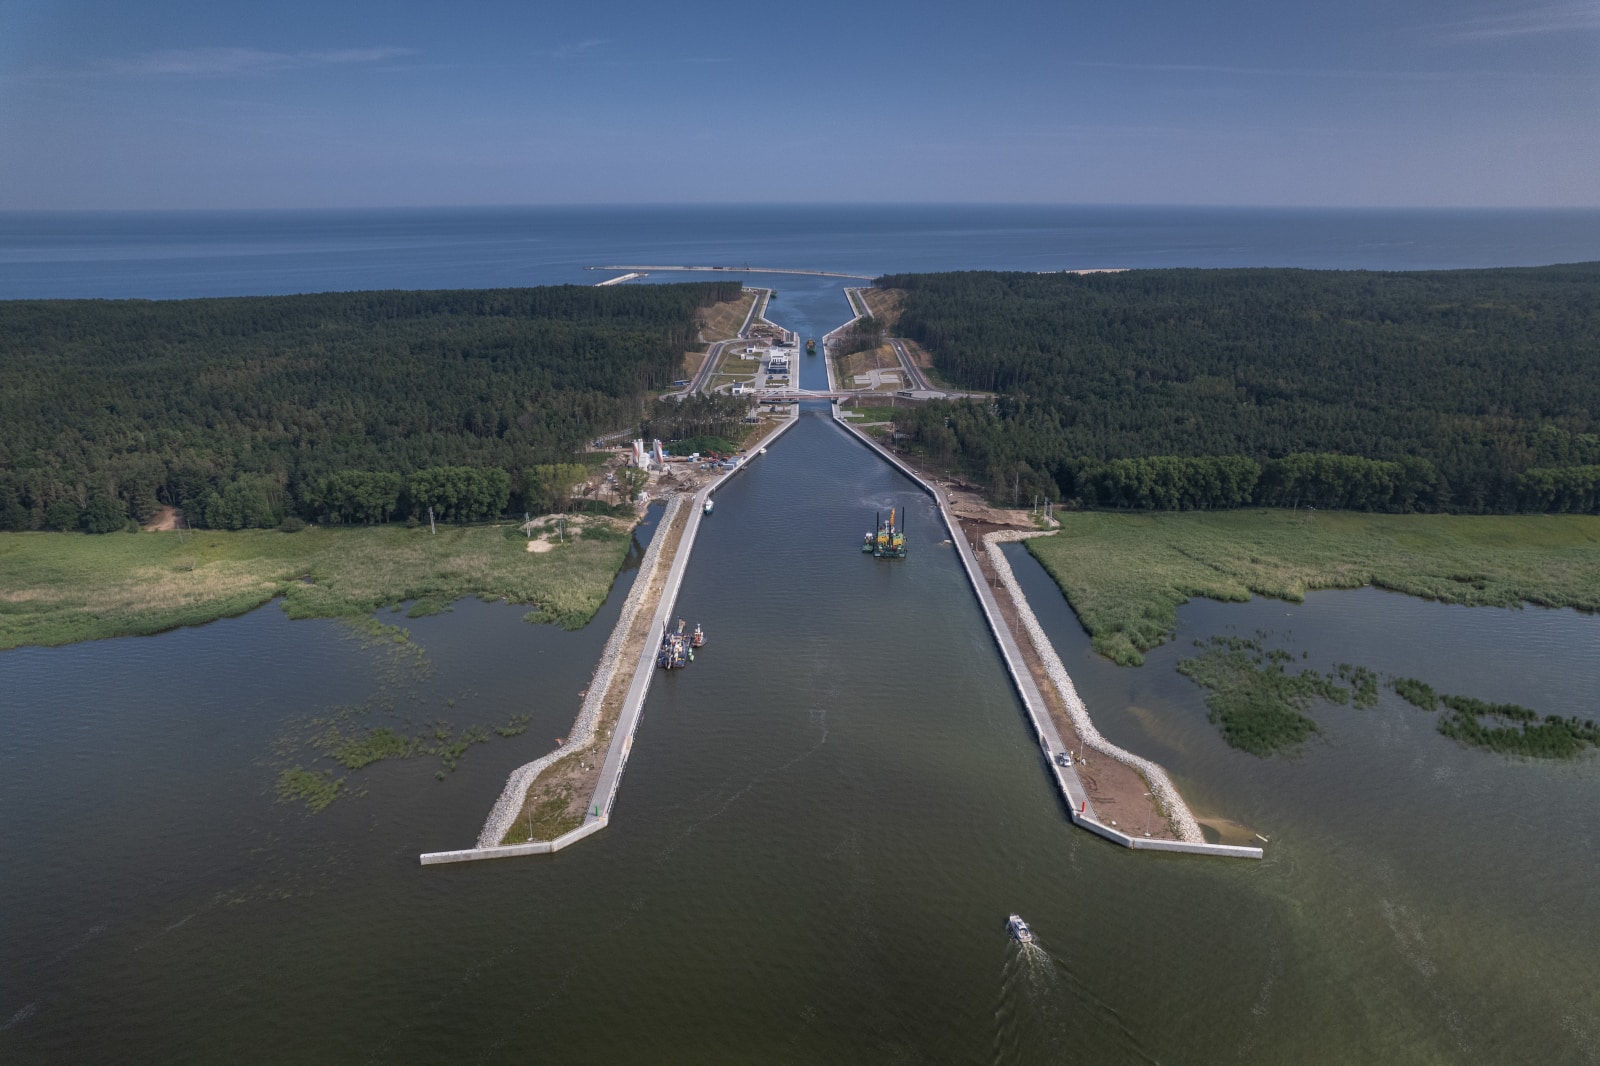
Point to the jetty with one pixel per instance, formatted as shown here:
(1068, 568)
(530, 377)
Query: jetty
(620, 684)
(1044, 687)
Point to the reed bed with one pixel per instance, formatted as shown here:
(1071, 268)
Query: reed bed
(57, 588)
(1126, 575)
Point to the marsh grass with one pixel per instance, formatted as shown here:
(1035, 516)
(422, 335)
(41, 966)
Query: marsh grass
(517, 726)
(1253, 699)
(57, 588)
(1417, 693)
(1126, 575)
(1514, 730)
(315, 789)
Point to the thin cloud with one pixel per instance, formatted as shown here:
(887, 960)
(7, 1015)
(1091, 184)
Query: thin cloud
(574, 49)
(1310, 72)
(1573, 16)
(233, 62)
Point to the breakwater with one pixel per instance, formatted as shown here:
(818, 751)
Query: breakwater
(1170, 801)
(506, 808)
(582, 734)
(1067, 779)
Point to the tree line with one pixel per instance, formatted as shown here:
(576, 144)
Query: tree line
(1467, 390)
(357, 407)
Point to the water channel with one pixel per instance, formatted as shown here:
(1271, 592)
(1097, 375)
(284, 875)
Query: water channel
(822, 828)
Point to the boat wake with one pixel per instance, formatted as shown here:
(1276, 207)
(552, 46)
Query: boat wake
(1044, 1008)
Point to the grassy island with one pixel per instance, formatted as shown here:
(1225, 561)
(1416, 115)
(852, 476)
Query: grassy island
(1126, 574)
(56, 588)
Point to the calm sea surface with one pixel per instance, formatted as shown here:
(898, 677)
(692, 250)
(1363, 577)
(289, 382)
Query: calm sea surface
(180, 254)
(826, 819)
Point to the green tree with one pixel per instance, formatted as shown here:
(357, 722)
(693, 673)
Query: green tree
(103, 515)
(62, 514)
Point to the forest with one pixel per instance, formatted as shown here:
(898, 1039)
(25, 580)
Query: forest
(353, 407)
(1471, 391)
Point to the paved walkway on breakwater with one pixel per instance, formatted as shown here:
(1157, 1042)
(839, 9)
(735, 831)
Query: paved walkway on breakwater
(605, 794)
(1066, 777)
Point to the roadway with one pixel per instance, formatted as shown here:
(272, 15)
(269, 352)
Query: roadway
(914, 376)
(714, 353)
(915, 379)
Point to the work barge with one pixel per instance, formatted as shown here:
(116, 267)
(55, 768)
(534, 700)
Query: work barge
(886, 540)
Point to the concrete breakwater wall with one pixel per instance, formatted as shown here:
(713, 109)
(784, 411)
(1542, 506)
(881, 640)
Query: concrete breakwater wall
(1080, 808)
(582, 734)
(605, 794)
(1171, 803)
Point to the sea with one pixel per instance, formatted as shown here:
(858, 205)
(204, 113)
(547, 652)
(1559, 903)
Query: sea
(168, 255)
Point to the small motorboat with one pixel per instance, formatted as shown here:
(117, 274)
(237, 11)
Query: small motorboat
(1019, 930)
(708, 505)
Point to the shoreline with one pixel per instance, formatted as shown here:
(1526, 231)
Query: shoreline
(64, 588)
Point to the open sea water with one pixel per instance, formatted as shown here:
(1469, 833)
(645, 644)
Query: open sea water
(164, 255)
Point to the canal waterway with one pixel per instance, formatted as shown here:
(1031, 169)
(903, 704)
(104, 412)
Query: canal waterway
(823, 826)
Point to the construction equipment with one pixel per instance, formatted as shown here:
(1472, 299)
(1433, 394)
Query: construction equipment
(887, 540)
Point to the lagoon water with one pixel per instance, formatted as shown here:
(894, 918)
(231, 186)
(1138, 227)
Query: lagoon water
(824, 821)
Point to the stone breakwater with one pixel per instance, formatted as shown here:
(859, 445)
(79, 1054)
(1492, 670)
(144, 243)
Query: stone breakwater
(1166, 793)
(582, 734)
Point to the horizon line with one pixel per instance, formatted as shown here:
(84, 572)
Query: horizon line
(757, 204)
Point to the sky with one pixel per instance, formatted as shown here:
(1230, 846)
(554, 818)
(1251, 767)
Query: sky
(170, 104)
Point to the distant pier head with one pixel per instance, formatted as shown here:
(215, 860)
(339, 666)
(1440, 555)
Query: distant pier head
(738, 269)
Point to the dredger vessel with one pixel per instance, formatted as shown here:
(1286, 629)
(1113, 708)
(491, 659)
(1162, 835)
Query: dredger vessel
(887, 540)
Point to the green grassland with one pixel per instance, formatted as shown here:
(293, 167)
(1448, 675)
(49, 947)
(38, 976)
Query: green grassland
(56, 588)
(1126, 574)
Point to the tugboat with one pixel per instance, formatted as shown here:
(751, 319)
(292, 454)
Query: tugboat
(1019, 930)
(887, 540)
(698, 639)
(811, 346)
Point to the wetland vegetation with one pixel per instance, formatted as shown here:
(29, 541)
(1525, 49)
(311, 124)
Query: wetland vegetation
(1126, 575)
(1259, 705)
(1253, 698)
(59, 588)
(1503, 727)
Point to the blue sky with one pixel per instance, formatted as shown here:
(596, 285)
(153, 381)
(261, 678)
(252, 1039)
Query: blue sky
(295, 104)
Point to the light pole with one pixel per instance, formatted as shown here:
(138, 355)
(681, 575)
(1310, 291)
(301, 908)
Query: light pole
(1147, 812)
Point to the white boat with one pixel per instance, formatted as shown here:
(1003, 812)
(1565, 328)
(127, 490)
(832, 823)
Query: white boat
(708, 505)
(1019, 930)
